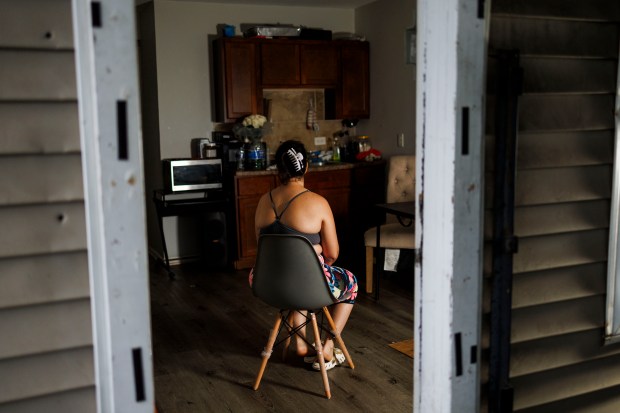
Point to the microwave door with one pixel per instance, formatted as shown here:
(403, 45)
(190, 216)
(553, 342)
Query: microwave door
(188, 176)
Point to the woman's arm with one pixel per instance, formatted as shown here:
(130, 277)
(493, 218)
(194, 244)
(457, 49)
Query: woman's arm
(329, 237)
(259, 215)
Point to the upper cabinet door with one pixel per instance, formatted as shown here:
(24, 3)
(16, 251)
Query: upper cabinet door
(319, 64)
(244, 67)
(236, 83)
(280, 63)
(355, 82)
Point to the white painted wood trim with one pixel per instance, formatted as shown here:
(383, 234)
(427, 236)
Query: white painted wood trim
(106, 68)
(451, 76)
(612, 324)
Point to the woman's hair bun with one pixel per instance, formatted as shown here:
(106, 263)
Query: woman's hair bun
(291, 160)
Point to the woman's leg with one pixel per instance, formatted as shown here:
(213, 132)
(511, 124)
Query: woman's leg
(301, 347)
(343, 285)
(340, 314)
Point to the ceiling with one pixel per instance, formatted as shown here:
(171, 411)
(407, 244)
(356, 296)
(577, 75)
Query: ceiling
(336, 4)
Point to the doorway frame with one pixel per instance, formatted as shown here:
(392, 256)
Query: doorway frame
(112, 168)
(450, 112)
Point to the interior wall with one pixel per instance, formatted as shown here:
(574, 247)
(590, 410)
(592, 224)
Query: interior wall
(392, 80)
(183, 31)
(183, 58)
(184, 82)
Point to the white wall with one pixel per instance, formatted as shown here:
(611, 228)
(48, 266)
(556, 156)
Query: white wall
(183, 56)
(392, 81)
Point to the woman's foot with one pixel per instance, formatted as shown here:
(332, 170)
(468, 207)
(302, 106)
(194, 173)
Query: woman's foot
(328, 350)
(328, 353)
(336, 360)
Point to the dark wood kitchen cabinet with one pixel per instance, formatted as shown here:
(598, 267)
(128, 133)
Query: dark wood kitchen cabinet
(280, 64)
(353, 99)
(292, 63)
(244, 67)
(320, 64)
(236, 85)
(248, 190)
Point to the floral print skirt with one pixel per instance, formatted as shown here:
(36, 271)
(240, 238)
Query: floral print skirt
(342, 282)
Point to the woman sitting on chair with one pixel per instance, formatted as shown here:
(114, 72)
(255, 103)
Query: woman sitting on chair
(292, 209)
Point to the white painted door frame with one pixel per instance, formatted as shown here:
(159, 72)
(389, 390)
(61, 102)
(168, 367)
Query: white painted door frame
(451, 72)
(451, 56)
(111, 144)
(612, 324)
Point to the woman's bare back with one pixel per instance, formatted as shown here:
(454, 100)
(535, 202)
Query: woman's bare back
(309, 213)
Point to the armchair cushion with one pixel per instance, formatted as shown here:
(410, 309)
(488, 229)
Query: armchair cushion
(401, 179)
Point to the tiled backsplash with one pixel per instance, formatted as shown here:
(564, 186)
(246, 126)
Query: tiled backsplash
(287, 109)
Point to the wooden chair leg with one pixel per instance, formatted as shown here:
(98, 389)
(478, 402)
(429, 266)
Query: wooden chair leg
(370, 267)
(338, 338)
(319, 352)
(268, 349)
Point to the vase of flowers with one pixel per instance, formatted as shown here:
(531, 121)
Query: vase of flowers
(250, 131)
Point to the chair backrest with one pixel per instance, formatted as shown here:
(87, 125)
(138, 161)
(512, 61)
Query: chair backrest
(289, 275)
(401, 179)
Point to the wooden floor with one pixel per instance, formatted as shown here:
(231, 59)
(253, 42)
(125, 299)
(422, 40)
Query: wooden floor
(209, 331)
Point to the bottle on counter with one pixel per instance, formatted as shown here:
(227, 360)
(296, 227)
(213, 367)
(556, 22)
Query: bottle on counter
(344, 149)
(352, 149)
(364, 143)
(255, 155)
(241, 158)
(267, 155)
(336, 150)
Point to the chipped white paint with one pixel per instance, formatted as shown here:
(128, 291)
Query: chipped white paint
(114, 195)
(451, 63)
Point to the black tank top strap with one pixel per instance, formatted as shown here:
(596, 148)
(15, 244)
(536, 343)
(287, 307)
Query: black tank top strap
(273, 206)
(288, 203)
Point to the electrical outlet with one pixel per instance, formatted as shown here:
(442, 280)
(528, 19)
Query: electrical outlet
(320, 140)
(400, 140)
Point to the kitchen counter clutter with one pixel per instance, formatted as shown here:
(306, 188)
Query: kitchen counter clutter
(352, 189)
(325, 167)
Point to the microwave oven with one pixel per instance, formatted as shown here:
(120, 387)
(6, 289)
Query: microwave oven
(192, 174)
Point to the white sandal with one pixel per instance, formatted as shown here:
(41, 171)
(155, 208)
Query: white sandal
(337, 360)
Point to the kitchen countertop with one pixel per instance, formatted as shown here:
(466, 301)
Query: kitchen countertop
(327, 167)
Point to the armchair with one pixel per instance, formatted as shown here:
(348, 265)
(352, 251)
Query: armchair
(400, 188)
